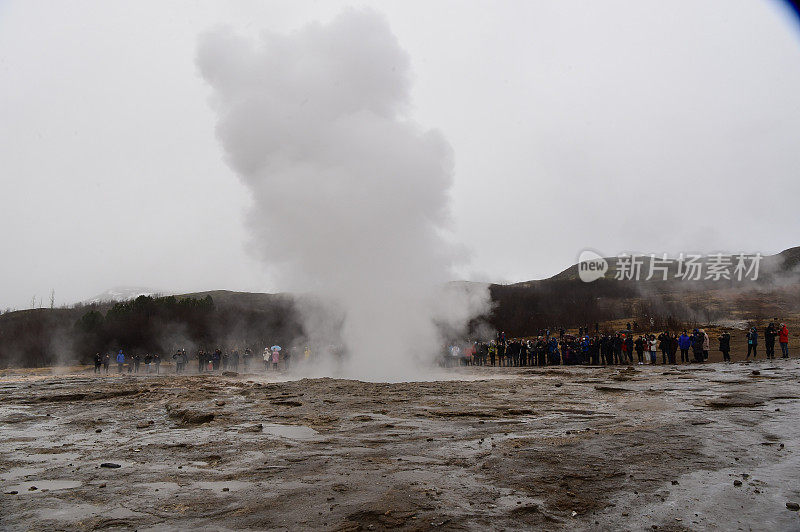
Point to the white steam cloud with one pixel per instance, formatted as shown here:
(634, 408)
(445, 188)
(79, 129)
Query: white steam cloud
(350, 196)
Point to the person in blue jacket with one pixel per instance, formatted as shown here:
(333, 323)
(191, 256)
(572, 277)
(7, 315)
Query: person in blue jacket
(120, 361)
(684, 343)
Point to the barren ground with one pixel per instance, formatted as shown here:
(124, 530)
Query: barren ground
(575, 448)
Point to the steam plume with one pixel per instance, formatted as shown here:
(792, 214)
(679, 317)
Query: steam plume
(350, 196)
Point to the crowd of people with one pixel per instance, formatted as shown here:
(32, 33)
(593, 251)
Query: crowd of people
(546, 349)
(609, 348)
(271, 359)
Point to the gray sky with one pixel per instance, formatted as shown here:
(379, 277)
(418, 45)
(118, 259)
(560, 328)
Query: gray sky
(620, 126)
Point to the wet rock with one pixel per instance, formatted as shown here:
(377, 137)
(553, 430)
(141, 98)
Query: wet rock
(735, 401)
(33, 488)
(755, 372)
(110, 465)
(612, 389)
(674, 482)
(287, 403)
(12, 492)
(793, 506)
(737, 482)
(98, 431)
(191, 417)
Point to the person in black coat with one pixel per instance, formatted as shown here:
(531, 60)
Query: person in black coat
(725, 346)
(697, 346)
(770, 332)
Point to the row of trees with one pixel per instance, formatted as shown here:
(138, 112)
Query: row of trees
(146, 324)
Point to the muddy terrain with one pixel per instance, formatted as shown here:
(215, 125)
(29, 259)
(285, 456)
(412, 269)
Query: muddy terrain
(671, 448)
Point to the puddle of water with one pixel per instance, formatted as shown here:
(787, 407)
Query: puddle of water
(69, 513)
(19, 472)
(52, 485)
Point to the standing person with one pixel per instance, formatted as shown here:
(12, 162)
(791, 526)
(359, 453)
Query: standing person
(628, 348)
(98, 361)
(137, 359)
(673, 348)
(653, 349)
(267, 356)
(492, 352)
(783, 338)
(725, 346)
(216, 358)
(752, 343)
(246, 357)
(157, 361)
(235, 360)
(501, 352)
(617, 347)
(201, 358)
(287, 357)
(663, 344)
(120, 361)
(178, 358)
(684, 343)
(639, 346)
(106, 362)
(554, 356)
(148, 359)
(276, 356)
(697, 346)
(770, 333)
(706, 344)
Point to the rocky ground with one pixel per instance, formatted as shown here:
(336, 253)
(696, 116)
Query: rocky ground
(672, 448)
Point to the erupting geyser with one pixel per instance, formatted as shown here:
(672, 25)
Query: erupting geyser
(350, 196)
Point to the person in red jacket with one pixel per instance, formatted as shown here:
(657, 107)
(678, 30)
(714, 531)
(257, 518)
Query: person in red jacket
(783, 338)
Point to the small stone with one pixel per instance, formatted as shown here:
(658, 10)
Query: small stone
(674, 482)
(110, 465)
(219, 403)
(33, 488)
(142, 425)
(12, 492)
(793, 506)
(103, 485)
(226, 489)
(98, 431)
(737, 482)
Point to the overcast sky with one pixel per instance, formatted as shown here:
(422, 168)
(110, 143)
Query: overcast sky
(619, 126)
